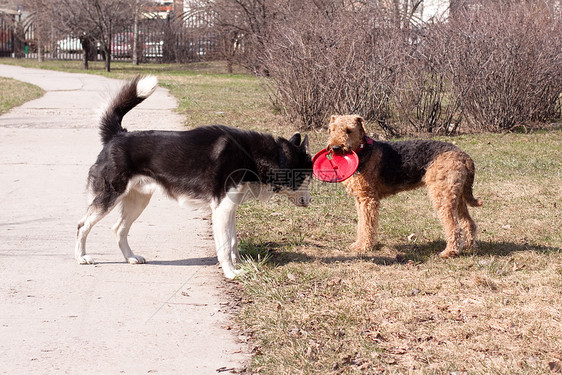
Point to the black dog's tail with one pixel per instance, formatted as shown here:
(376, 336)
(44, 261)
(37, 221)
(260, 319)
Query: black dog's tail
(130, 95)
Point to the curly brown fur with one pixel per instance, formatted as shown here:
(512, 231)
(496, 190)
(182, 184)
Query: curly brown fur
(387, 168)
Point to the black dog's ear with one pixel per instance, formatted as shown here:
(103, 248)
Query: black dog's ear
(305, 146)
(296, 139)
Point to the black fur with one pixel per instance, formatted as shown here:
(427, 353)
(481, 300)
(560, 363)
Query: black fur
(126, 99)
(405, 162)
(203, 163)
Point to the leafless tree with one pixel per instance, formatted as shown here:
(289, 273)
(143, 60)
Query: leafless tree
(242, 27)
(92, 21)
(41, 21)
(98, 20)
(224, 18)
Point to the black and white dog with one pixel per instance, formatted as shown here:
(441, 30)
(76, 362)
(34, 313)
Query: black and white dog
(216, 165)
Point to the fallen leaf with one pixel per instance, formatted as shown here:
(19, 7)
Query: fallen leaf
(225, 369)
(517, 267)
(555, 366)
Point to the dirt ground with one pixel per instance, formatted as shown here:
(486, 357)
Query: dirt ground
(169, 316)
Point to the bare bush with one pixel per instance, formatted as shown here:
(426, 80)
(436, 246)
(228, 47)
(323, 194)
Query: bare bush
(359, 61)
(490, 67)
(505, 64)
(343, 62)
(423, 101)
(296, 79)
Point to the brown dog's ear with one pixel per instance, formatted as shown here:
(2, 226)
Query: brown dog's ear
(360, 122)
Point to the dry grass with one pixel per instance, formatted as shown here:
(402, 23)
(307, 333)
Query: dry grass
(14, 93)
(315, 308)
(312, 307)
(479, 315)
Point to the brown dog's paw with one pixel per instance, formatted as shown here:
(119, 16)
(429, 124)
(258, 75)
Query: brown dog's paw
(448, 254)
(360, 247)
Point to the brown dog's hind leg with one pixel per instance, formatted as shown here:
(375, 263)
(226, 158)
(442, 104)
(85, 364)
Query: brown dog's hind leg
(445, 179)
(448, 213)
(468, 225)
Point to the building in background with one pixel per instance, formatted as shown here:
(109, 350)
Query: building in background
(434, 10)
(12, 29)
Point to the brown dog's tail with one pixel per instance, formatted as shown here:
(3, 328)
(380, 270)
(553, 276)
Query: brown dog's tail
(467, 193)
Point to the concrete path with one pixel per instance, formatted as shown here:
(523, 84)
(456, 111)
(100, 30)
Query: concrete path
(169, 316)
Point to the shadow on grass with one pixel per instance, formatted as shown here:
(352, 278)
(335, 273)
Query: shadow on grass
(273, 252)
(277, 255)
(422, 252)
(507, 248)
(418, 252)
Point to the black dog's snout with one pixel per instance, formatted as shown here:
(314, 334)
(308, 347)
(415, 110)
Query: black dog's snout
(336, 148)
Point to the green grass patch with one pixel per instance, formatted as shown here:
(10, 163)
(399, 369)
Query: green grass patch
(14, 93)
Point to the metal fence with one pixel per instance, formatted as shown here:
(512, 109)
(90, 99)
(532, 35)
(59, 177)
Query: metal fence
(163, 40)
(6, 36)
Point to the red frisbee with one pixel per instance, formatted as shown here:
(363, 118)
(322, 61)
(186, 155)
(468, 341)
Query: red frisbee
(330, 167)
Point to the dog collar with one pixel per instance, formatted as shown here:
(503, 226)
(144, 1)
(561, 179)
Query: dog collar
(367, 141)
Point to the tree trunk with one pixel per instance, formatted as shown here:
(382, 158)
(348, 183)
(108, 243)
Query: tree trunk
(136, 36)
(108, 47)
(19, 41)
(85, 51)
(108, 59)
(39, 50)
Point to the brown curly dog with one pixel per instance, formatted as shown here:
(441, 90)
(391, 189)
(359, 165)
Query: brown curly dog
(387, 168)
